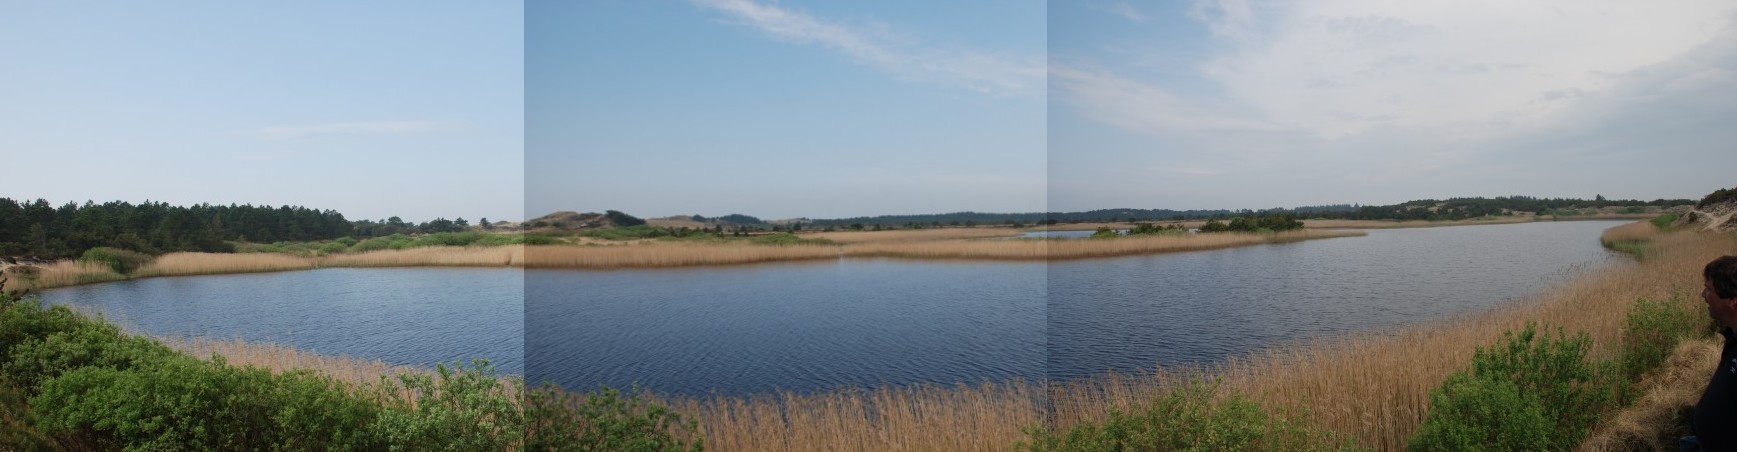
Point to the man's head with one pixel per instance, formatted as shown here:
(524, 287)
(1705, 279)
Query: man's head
(1719, 289)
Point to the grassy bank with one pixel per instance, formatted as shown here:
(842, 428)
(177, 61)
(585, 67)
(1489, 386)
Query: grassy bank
(1369, 390)
(68, 381)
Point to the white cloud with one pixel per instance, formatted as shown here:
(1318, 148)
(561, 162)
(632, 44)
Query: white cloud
(984, 72)
(1340, 67)
(343, 128)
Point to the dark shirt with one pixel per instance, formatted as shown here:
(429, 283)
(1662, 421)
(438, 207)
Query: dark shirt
(1716, 413)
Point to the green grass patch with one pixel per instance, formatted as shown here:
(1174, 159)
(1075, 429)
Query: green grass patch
(71, 382)
(1663, 222)
(1189, 417)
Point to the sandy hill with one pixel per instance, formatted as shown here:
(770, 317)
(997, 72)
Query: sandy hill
(569, 221)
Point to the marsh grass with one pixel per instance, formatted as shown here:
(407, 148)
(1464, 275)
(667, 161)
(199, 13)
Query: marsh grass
(919, 235)
(1038, 249)
(183, 264)
(1369, 388)
(433, 256)
(58, 274)
(670, 255)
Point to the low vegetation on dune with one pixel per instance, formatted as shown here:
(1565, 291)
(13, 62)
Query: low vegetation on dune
(72, 382)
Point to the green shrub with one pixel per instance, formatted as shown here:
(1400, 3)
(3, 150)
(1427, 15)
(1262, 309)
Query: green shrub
(459, 408)
(604, 419)
(1510, 385)
(787, 239)
(1654, 329)
(119, 260)
(1664, 221)
(1188, 418)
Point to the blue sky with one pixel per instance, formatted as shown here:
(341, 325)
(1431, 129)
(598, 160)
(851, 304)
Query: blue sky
(373, 109)
(785, 109)
(790, 108)
(1254, 104)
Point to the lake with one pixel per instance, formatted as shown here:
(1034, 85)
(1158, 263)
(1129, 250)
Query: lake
(867, 322)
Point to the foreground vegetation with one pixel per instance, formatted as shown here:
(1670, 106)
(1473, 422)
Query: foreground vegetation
(68, 381)
(1593, 340)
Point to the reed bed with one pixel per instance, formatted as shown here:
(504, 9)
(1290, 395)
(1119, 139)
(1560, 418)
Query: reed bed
(57, 274)
(182, 264)
(433, 256)
(984, 417)
(1632, 232)
(1371, 387)
(279, 358)
(1079, 249)
(919, 235)
(1391, 224)
(670, 255)
(1375, 387)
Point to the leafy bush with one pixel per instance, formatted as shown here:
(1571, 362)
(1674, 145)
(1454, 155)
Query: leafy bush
(76, 383)
(606, 420)
(1187, 418)
(119, 260)
(622, 219)
(1664, 221)
(1529, 392)
(1654, 328)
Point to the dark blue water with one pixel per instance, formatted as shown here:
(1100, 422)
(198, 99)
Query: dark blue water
(801, 327)
(403, 316)
(868, 322)
(1136, 312)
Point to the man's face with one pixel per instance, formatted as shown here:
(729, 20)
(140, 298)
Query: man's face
(1718, 308)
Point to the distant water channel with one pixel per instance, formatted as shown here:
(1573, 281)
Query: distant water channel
(866, 322)
(403, 316)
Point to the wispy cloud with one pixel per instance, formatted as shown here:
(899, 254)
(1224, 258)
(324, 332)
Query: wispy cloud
(288, 132)
(1121, 9)
(985, 72)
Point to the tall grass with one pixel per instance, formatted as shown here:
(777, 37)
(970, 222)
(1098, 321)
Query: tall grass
(447, 256)
(1372, 388)
(1077, 249)
(988, 416)
(58, 274)
(181, 264)
(918, 235)
(670, 255)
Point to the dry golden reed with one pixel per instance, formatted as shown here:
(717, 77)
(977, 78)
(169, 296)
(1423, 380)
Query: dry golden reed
(670, 255)
(1076, 248)
(433, 256)
(1632, 232)
(983, 417)
(57, 274)
(1651, 421)
(1372, 387)
(182, 264)
(918, 235)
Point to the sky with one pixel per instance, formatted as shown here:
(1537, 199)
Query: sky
(1249, 104)
(373, 109)
(785, 109)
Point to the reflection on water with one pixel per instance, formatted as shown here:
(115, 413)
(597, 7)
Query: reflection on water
(403, 316)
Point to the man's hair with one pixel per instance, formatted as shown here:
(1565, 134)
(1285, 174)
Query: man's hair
(1722, 272)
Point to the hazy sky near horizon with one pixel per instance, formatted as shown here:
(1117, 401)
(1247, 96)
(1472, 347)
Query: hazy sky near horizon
(1256, 104)
(373, 109)
(792, 108)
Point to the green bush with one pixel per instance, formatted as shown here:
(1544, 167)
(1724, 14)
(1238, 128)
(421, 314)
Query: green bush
(606, 420)
(70, 382)
(1654, 329)
(119, 260)
(1524, 376)
(1664, 221)
(787, 239)
(1188, 418)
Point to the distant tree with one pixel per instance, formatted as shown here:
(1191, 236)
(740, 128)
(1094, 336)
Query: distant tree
(484, 222)
(622, 219)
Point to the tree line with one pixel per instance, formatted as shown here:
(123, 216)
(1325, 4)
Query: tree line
(37, 228)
